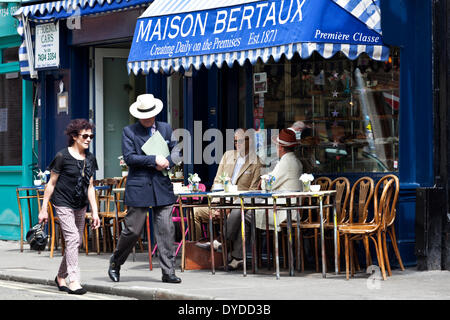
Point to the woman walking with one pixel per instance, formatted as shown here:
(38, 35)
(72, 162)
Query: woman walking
(70, 188)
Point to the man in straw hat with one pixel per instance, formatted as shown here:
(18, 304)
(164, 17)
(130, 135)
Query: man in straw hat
(146, 187)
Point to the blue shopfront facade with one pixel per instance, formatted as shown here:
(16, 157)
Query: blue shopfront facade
(169, 39)
(216, 85)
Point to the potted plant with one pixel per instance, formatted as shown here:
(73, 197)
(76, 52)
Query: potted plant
(123, 166)
(178, 171)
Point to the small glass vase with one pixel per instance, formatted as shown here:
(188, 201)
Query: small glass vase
(306, 186)
(226, 186)
(194, 187)
(268, 186)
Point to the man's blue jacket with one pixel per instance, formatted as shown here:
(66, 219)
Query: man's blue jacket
(146, 186)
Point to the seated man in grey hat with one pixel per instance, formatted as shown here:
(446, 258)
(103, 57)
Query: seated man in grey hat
(146, 187)
(287, 173)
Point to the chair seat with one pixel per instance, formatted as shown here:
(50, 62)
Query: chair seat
(359, 228)
(121, 214)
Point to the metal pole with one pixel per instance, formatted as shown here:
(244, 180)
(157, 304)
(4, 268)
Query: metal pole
(289, 225)
(211, 238)
(275, 240)
(335, 238)
(244, 256)
(322, 237)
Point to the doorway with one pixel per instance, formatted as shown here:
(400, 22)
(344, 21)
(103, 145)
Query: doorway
(115, 91)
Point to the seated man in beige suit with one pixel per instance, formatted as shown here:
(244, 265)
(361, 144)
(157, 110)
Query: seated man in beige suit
(243, 166)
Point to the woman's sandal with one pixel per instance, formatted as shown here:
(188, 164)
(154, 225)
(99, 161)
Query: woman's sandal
(78, 291)
(61, 288)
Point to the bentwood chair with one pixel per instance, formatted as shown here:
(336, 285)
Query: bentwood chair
(360, 198)
(388, 227)
(105, 213)
(95, 234)
(372, 229)
(53, 221)
(342, 187)
(313, 223)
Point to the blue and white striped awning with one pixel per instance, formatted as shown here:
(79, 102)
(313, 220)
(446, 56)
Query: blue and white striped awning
(51, 11)
(367, 11)
(174, 34)
(31, 15)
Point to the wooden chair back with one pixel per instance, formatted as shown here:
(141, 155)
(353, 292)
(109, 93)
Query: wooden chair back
(389, 206)
(360, 197)
(383, 203)
(122, 182)
(342, 187)
(120, 206)
(324, 183)
(313, 214)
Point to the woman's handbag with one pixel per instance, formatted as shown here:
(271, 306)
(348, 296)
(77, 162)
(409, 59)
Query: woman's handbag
(37, 237)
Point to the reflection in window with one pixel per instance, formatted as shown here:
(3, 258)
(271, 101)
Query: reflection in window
(349, 108)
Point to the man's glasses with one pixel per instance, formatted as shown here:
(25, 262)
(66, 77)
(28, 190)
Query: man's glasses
(85, 136)
(240, 141)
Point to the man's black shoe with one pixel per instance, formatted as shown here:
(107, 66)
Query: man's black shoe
(170, 278)
(114, 270)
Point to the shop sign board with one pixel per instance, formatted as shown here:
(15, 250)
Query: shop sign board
(47, 46)
(8, 23)
(248, 26)
(260, 84)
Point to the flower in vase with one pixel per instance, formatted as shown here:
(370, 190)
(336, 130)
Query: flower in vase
(306, 177)
(122, 163)
(42, 175)
(268, 180)
(194, 178)
(224, 178)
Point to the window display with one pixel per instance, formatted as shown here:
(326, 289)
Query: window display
(349, 110)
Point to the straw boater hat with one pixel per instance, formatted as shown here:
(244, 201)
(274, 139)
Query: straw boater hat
(146, 106)
(286, 138)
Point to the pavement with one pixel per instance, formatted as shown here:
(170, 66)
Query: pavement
(139, 282)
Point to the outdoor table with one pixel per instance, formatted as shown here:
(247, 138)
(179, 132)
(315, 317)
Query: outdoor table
(289, 206)
(189, 195)
(28, 196)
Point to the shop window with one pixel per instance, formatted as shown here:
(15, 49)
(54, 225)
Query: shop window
(175, 100)
(350, 109)
(10, 55)
(10, 119)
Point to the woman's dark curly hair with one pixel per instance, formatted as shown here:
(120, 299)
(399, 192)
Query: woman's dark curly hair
(74, 128)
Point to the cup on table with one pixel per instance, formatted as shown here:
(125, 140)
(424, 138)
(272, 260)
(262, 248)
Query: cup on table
(217, 186)
(315, 187)
(37, 182)
(177, 187)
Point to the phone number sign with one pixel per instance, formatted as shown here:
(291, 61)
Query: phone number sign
(47, 46)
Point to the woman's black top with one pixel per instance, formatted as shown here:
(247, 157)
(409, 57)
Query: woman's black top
(74, 176)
